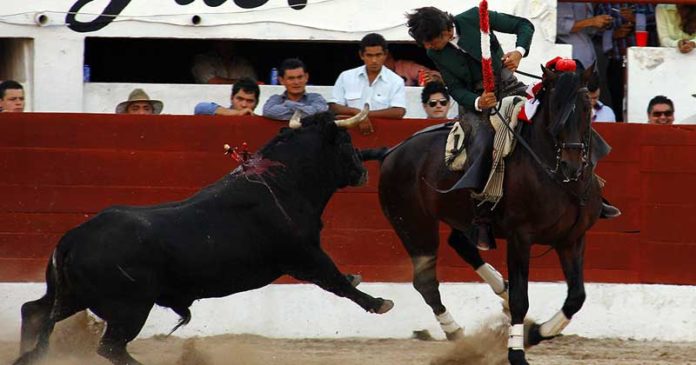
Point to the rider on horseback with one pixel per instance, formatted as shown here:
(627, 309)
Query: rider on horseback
(453, 43)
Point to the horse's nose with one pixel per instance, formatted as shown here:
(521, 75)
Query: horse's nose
(570, 169)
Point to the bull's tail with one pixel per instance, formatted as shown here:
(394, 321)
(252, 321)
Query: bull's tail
(374, 154)
(40, 316)
(185, 315)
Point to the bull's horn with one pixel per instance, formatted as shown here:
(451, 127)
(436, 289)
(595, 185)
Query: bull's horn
(295, 120)
(354, 120)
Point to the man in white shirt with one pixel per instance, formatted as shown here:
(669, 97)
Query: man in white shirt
(372, 84)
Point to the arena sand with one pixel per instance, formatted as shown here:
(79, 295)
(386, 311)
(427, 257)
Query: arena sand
(75, 339)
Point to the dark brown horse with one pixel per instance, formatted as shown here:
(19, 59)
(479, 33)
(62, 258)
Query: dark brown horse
(551, 197)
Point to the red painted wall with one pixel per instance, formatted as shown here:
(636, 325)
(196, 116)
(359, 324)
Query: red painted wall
(59, 169)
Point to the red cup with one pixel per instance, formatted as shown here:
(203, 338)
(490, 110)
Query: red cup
(641, 38)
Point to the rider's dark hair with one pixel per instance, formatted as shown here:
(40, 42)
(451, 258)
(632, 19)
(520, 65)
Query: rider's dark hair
(428, 23)
(433, 87)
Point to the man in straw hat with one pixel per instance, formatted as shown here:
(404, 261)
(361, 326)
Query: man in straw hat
(139, 103)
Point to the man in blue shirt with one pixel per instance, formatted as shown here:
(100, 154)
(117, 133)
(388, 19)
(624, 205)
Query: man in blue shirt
(245, 97)
(293, 74)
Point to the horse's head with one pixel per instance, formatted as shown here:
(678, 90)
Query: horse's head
(568, 115)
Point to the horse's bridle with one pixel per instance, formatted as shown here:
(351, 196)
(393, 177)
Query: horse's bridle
(584, 148)
(560, 147)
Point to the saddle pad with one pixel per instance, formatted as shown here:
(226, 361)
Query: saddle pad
(503, 145)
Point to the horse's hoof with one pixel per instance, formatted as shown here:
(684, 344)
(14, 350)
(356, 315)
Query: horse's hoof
(386, 306)
(455, 335)
(354, 280)
(516, 357)
(423, 335)
(533, 337)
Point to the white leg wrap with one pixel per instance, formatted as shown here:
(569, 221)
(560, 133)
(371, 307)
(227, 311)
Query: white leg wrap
(555, 325)
(491, 276)
(516, 339)
(447, 323)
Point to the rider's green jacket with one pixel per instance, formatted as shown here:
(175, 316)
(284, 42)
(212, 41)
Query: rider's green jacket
(461, 71)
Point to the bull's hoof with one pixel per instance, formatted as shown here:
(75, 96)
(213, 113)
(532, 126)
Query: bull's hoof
(455, 335)
(516, 357)
(386, 306)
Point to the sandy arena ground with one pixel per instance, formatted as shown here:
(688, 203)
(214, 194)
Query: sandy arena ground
(74, 341)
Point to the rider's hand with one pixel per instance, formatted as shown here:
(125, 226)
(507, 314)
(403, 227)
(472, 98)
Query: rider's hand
(511, 60)
(487, 100)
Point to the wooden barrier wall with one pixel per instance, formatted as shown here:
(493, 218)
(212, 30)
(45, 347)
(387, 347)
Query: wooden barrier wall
(59, 169)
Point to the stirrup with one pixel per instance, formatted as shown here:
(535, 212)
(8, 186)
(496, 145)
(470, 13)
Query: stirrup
(455, 152)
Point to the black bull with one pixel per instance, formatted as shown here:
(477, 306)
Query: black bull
(259, 222)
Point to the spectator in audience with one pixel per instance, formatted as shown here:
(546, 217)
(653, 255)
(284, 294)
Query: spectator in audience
(676, 26)
(691, 119)
(616, 39)
(244, 98)
(293, 74)
(660, 110)
(576, 24)
(221, 66)
(600, 112)
(371, 83)
(436, 100)
(11, 97)
(139, 103)
(408, 70)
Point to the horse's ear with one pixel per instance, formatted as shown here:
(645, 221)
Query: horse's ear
(587, 74)
(548, 75)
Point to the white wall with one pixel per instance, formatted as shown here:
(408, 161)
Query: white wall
(59, 51)
(660, 71)
(642, 312)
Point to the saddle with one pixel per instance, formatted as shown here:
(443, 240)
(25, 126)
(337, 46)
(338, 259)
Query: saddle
(503, 145)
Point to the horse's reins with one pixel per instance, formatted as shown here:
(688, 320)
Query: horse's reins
(528, 75)
(549, 171)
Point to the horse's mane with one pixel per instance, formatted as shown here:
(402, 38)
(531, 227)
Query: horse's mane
(562, 104)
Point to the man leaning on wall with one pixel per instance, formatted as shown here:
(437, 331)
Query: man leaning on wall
(243, 100)
(11, 97)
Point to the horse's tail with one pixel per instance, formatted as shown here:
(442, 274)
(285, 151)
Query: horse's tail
(374, 154)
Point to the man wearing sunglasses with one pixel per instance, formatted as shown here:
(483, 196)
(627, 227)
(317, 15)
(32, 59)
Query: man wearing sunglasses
(660, 110)
(436, 100)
